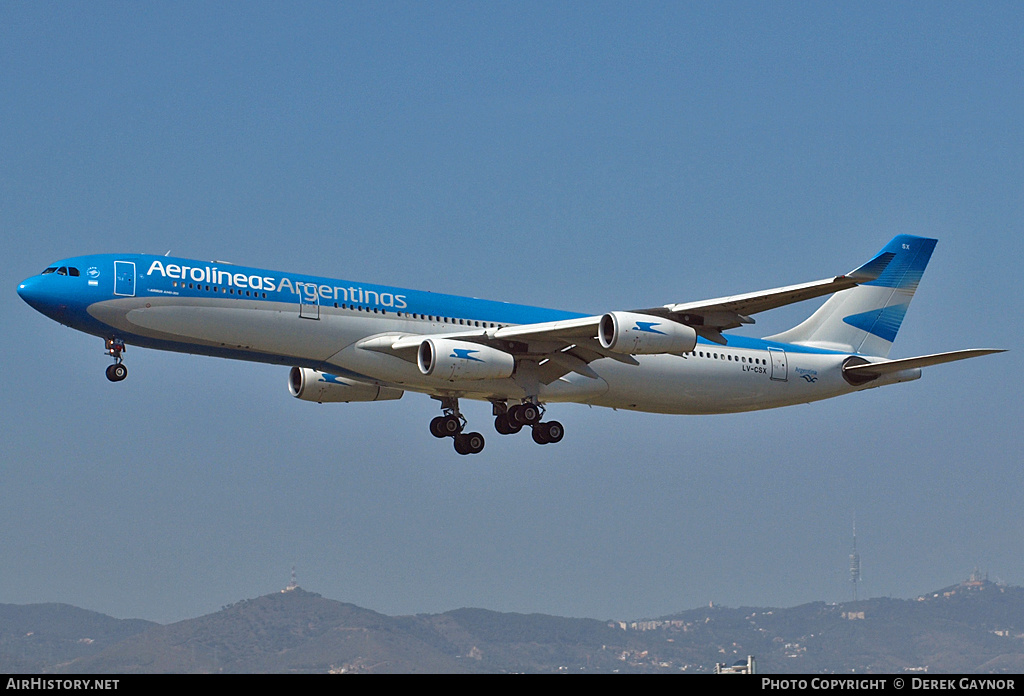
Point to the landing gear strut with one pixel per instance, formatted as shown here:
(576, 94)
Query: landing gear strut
(504, 423)
(118, 371)
(451, 424)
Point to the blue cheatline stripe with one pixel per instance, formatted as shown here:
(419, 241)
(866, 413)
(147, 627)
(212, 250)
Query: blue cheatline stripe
(748, 343)
(415, 301)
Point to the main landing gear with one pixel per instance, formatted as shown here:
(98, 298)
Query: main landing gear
(511, 419)
(118, 371)
(508, 420)
(451, 424)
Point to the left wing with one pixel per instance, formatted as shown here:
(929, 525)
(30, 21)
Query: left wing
(557, 347)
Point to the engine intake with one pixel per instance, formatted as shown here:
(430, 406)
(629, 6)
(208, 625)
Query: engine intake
(452, 360)
(644, 334)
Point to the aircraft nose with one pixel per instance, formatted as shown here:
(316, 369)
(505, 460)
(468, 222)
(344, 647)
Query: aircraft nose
(34, 291)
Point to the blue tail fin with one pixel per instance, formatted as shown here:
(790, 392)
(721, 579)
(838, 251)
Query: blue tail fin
(865, 319)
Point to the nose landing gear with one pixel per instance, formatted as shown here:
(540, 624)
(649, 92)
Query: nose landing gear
(118, 371)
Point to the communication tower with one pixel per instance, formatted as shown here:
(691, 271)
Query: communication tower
(854, 561)
(293, 585)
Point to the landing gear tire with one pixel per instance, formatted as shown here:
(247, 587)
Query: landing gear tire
(540, 435)
(116, 372)
(548, 433)
(555, 431)
(451, 425)
(524, 414)
(506, 426)
(469, 443)
(445, 426)
(436, 427)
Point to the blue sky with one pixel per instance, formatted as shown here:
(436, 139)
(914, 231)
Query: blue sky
(589, 157)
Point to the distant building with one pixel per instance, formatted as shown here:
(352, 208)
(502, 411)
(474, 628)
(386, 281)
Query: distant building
(977, 579)
(741, 667)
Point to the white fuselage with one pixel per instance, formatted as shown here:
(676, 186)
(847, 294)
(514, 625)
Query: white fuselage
(710, 379)
(331, 325)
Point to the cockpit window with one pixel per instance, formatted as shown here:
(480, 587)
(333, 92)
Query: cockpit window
(63, 270)
(72, 271)
(51, 269)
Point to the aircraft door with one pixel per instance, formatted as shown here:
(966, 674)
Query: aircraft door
(309, 302)
(124, 278)
(780, 367)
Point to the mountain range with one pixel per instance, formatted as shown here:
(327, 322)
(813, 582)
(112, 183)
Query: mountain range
(973, 627)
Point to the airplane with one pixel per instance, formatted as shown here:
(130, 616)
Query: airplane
(348, 342)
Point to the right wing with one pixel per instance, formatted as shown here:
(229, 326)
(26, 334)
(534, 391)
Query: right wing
(560, 347)
(711, 317)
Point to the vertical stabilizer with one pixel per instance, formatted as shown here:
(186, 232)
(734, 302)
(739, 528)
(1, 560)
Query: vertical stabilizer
(865, 319)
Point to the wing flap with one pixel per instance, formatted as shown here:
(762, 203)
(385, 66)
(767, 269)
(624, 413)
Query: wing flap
(560, 332)
(567, 329)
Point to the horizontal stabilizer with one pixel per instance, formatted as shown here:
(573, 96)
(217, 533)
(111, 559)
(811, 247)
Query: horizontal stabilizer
(889, 366)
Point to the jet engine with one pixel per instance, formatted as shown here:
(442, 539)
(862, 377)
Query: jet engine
(312, 385)
(644, 334)
(453, 360)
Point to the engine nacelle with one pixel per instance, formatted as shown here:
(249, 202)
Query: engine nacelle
(311, 385)
(643, 334)
(452, 360)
